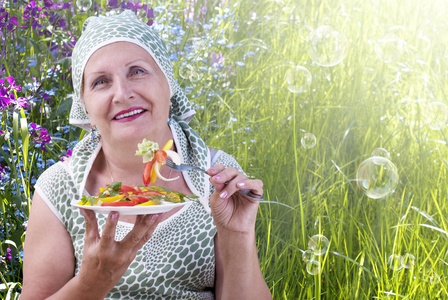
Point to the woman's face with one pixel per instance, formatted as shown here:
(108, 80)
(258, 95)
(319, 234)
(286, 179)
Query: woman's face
(126, 94)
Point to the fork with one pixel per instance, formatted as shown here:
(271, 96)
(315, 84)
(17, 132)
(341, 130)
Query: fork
(182, 167)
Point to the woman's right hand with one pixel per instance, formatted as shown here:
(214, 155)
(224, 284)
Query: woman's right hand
(105, 260)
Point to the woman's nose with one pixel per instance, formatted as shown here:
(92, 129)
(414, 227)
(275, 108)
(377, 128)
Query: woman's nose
(123, 90)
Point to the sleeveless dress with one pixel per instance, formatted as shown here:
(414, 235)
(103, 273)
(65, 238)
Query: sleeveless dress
(178, 260)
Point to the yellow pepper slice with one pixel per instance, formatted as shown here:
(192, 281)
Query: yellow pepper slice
(147, 203)
(112, 199)
(168, 145)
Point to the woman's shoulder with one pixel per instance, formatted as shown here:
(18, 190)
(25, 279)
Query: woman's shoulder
(223, 158)
(56, 176)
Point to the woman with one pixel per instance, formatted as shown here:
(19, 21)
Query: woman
(125, 88)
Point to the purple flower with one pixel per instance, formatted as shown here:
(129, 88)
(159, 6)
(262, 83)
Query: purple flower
(21, 102)
(40, 136)
(8, 253)
(12, 84)
(68, 154)
(32, 13)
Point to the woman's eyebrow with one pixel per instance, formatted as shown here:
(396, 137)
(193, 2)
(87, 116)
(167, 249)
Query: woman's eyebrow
(138, 60)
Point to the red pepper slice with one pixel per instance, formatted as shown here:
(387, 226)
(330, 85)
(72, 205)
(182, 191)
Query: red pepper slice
(124, 203)
(147, 172)
(151, 193)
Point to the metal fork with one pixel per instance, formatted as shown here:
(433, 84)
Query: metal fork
(182, 167)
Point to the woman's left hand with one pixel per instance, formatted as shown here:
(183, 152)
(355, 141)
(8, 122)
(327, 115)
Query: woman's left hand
(234, 203)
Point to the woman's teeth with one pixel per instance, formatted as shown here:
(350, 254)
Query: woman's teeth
(128, 114)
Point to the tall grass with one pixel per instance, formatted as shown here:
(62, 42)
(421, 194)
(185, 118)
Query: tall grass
(240, 51)
(352, 108)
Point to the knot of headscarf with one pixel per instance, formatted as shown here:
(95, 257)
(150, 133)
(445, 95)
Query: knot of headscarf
(125, 27)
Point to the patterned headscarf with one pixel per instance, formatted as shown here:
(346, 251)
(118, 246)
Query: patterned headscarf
(125, 27)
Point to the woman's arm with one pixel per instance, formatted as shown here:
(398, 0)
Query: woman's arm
(48, 260)
(238, 274)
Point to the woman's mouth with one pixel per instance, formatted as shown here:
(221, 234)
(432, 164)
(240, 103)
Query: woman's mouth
(129, 115)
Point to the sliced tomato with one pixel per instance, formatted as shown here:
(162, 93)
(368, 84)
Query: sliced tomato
(127, 189)
(160, 156)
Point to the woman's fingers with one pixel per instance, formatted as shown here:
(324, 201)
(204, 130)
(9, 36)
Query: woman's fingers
(108, 234)
(91, 224)
(228, 181)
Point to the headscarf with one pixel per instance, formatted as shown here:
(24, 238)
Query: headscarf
(125, 27)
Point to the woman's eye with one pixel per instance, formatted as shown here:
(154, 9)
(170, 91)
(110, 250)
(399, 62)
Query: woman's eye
(137, 71)
(98, 82)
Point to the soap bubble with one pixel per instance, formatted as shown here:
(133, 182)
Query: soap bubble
(434, 278)
(326, 46)
(377, 177)
(308, 141)
(188, 72)
(408, 261)
(184, 71)
(298, 79)
(388, 48)
(308, 255)
(394, 262)
(381, 152)
(318, 244)
(305, 31)
(436, 115)
(313, 267)
(84, 5)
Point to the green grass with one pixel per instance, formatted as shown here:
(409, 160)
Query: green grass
(352, 108)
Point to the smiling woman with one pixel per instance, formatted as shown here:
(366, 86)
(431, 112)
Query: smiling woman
(125, 88)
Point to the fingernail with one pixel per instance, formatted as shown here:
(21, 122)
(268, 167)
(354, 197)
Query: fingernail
(154, 217)
(241, 184)
(114, 216)
(217, 176)
(223, 195)
(212, 170)
(163, 214)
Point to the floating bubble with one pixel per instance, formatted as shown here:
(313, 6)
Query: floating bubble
(377, 177)
(84, 5)
(436, 115)
(313, 267)
(381, 152)
(388, 48)
(408, 261)
(318, 244)
(434, 278)
(394, 262)
(188, 72)
(308, 255)
(308, 141)
(305, 31)
(298, 79)
(326, 46)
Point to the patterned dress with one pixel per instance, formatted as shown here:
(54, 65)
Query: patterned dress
(178, 260)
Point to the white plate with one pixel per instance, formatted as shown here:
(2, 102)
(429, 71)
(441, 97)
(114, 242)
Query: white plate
(134, 210)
